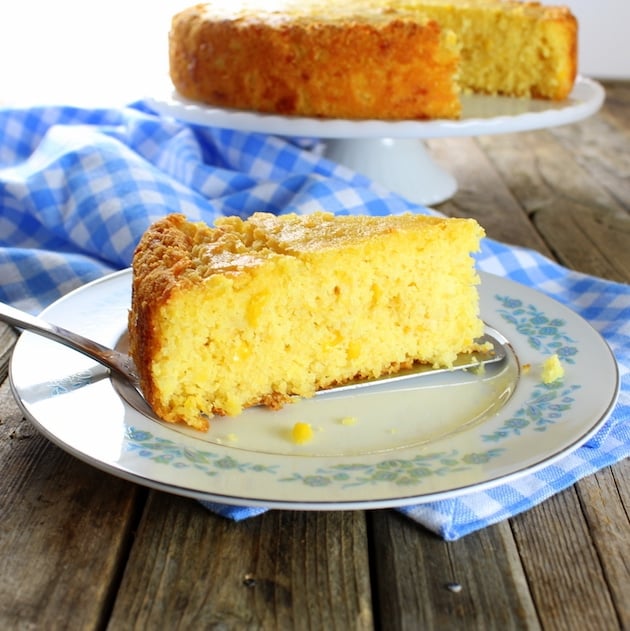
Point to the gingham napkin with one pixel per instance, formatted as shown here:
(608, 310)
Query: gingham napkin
(78, 187)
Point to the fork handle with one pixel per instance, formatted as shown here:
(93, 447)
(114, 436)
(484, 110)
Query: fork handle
(115, 361)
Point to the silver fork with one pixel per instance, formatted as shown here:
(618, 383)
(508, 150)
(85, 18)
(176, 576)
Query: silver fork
(119, 363)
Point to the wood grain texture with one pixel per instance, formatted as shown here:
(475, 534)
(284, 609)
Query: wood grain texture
(482, 193)
(7, 339)
(600, 146)
(562, 566)
(425, 583)
(284, 570)
(64, 531)
(583, 225)
(615, 107)
(605, 501)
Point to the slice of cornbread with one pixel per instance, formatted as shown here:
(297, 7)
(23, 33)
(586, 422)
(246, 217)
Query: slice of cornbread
(257, 311)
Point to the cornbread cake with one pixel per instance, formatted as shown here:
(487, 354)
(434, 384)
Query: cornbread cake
(259, 311)
(370, 59)
(337, 60)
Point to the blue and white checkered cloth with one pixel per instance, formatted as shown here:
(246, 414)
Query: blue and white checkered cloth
(78, 187)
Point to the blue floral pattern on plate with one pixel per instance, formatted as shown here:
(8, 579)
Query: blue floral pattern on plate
(547, 403)
(399, 471)
(543, 334)
(388, 463)
(169, 452)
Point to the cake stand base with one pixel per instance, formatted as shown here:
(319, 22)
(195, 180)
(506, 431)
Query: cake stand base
(402, 165)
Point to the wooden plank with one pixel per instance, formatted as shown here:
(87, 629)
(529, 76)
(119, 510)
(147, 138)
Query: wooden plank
(64, 531)
(7, 340)
(482, 193)
(601, 146)
(605, 500)
(592, 240)
(541, 173)
(585, 226)
(282, 570)
(425, 583)
(616, 105)
(562, 566)
(574, 183)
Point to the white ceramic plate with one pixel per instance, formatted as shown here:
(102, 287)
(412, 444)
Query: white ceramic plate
(438, 437)
(481, 115)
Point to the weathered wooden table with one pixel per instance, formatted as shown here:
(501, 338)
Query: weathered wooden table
(80, 549)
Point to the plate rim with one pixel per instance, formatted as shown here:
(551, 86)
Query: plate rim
(586, 97)
(392, 500)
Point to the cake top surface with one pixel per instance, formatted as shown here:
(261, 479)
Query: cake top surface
(236, 244)
(177, 252)
(294, 11)
(279, 11)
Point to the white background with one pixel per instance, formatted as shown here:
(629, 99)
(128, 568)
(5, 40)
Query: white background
(604, 37)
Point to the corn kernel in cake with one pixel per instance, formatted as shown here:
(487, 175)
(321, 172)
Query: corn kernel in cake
(302, 433)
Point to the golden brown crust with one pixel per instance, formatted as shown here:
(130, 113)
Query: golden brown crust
(569, 26)
(159, 262)
(392, 69)
(364, 59)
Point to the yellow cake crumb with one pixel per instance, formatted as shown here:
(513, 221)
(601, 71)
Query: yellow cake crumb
(552, 369)
(314, 300)
(302, 433)
(349, 420)
(479, 368)
(526, 368)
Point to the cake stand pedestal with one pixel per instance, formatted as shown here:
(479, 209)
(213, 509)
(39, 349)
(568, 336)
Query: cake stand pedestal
(392, 153)
(402, 165)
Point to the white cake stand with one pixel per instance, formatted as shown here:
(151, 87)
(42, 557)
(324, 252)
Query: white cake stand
(393, 153)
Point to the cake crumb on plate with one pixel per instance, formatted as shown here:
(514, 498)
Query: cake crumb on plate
(552, 370)
(302, 433)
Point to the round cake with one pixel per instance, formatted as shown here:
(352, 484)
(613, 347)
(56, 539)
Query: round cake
(370, 60)
(335, 62)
